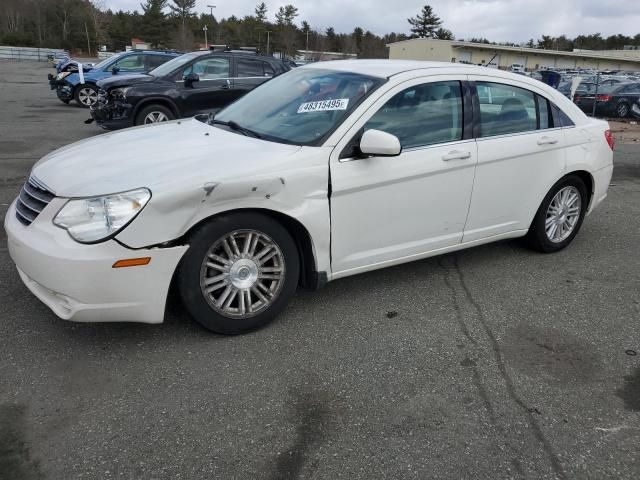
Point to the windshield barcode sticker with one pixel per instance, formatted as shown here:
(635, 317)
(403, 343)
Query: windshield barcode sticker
(324, 105)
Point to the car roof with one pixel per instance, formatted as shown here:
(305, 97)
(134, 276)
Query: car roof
(389, 68)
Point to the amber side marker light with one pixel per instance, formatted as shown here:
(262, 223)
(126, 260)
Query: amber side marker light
(132, 262)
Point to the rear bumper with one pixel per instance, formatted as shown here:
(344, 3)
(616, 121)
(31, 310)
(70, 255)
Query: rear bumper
(602, 179)
(77, 282)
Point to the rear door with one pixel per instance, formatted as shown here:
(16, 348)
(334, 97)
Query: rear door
(521, 154)
(249, 73)
(212, 91)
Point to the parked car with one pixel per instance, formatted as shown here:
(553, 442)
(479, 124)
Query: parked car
(587, 87)
(612, 101)
(58, 57)
(635, 109)
(81, 86)
(194, 83)
(329, 170)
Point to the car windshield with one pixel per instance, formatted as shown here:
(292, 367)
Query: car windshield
(171, 65)
(302, 106)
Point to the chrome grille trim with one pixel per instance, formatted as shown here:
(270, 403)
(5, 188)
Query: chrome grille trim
(34, 197)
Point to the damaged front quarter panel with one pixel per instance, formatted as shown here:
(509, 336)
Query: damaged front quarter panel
(296, 187)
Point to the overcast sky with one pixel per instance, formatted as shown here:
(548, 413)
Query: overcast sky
(497, 20)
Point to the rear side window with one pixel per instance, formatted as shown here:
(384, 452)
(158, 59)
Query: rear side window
(505, 109)
(253, 68)
(560, 119)
(422, 115)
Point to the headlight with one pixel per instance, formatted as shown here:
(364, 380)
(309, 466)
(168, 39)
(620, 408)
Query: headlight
(120, 93)
(91, 220)
(61, 75)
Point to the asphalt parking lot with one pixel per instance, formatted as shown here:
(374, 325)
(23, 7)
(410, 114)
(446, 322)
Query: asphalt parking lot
(495, 362)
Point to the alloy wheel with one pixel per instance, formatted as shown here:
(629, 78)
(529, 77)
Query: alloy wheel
(155, 117)
(242, 273)
(563, 214)
(87, 96)
(622, 110)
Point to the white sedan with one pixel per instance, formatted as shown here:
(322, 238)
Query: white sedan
(330, 170)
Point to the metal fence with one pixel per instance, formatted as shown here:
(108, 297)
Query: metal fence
(29, 53)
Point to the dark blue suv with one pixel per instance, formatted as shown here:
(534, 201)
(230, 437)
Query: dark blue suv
(81, 86)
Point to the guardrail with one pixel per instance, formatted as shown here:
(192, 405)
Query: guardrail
(29, 53)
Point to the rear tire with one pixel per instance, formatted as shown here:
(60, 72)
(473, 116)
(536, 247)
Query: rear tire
(154, 114)
(239, 273)
(560, 216)
(622, 109)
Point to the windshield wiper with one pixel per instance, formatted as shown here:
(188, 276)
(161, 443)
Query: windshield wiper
(234, 126)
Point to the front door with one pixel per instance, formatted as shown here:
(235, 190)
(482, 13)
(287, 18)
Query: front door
(385, 210)
(212, 91)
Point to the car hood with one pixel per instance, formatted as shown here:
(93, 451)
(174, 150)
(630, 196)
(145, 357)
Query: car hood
(162, 156)
(125, 80)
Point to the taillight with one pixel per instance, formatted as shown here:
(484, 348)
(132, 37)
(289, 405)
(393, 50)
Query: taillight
(603, 98)
(609, 137)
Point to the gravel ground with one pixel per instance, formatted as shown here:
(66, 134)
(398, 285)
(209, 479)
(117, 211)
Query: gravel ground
(495, 362)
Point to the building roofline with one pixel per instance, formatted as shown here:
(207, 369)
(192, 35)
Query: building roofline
(535, 51)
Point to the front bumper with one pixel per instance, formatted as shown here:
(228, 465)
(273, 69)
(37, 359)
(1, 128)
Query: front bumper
(112, 115)
(77, 282)
(64, 92)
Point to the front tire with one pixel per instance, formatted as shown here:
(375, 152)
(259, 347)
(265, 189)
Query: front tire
(86, 95)
(154, 114)
(560, 216)
(240, 271)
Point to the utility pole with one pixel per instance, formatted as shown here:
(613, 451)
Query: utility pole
(306, 54)
(211, 7)
(206, 44)
(268, 32)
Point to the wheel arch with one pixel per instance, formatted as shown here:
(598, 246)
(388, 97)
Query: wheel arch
(309, 276)
(588, 181)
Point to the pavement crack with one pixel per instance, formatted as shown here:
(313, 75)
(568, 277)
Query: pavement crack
(508, 381)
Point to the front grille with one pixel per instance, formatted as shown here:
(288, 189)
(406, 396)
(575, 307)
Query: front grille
(34, 196)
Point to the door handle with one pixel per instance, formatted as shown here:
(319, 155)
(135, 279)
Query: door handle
(456, 155)
(547, 141)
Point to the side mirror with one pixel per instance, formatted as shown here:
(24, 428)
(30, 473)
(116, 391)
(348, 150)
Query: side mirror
(380, 144)
(190, 79)
(115, 70)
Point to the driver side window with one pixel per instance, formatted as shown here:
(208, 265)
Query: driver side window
(131, 62)
(422, 115)
(209, 68)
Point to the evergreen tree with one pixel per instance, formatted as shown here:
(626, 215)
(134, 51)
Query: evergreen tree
(182, 9)
(261, 12)
(425, 24)
(443, 34)
(154, 27)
